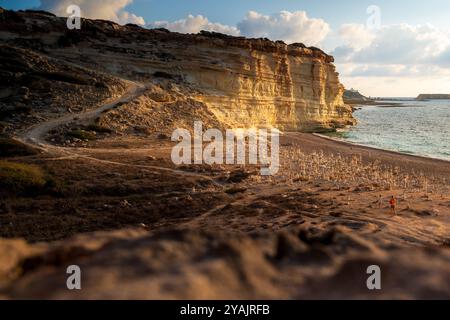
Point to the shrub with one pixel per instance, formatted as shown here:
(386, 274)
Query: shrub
(81, 134)
(14, 148)
(19, 177)
(234, 190)
(163, 136)
(98, 128)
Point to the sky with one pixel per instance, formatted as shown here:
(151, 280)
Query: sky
(385, 48)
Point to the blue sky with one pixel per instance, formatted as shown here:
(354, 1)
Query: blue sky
(408, 54)
(231, 11)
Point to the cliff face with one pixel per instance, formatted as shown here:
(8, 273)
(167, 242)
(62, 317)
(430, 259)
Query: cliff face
(243, 82)
(291, 89)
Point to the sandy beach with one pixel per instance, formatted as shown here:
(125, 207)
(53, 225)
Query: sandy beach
(314, 142)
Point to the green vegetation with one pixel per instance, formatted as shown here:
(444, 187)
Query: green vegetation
(13, 148)
(234, 190)
(98, 128)
(89, 132)
(20, 177)
(81, 134)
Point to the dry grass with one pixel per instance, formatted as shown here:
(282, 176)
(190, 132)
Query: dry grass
(20, 177)
(14, 148)
(352, 171)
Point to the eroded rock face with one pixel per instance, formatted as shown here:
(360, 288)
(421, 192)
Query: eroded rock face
(259, 88)
(192, 264)
(244, 82)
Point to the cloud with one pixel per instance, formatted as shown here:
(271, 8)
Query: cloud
(356, 36)
(392, 44)
(396, 60)
(99, 9)
(400, 50)
(380, 70)
(194, 24)
(287, 26)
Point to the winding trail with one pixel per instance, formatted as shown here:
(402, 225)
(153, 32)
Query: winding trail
(35, 135)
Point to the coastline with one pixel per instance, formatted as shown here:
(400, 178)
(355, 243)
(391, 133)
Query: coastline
(314, 142)
(375, 103)
(379, 149)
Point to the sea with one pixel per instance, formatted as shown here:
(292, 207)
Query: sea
(412, 127)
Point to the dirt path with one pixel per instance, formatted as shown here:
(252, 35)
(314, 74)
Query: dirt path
(35, 136)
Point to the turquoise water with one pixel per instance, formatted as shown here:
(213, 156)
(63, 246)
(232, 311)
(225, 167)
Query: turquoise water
(417, 127)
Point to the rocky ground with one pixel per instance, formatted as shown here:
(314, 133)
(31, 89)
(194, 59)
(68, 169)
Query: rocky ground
(218, 232)
(36, 87)
(298, 263)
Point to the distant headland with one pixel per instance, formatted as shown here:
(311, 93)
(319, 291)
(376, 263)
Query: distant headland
(440, 96)
(353, 96)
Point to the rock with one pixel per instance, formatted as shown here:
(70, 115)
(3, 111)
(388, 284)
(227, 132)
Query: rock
(288, 245)
(301, 81)
(354, 97)
(427, 213)
(125, 204)
(162, 136)
(198, 264)
(336, 214)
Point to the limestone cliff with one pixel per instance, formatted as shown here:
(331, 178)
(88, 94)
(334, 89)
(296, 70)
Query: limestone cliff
(242, 82)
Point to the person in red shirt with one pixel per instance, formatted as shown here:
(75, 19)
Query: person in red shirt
(393, 204)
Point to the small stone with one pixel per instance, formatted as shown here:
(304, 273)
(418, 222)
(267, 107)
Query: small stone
(125, 203)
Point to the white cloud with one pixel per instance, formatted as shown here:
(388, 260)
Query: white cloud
(356, 36)
(402, 58)
(392, 44)
(387, 70)
(287, 26)
(113, 10)
(194, 24)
